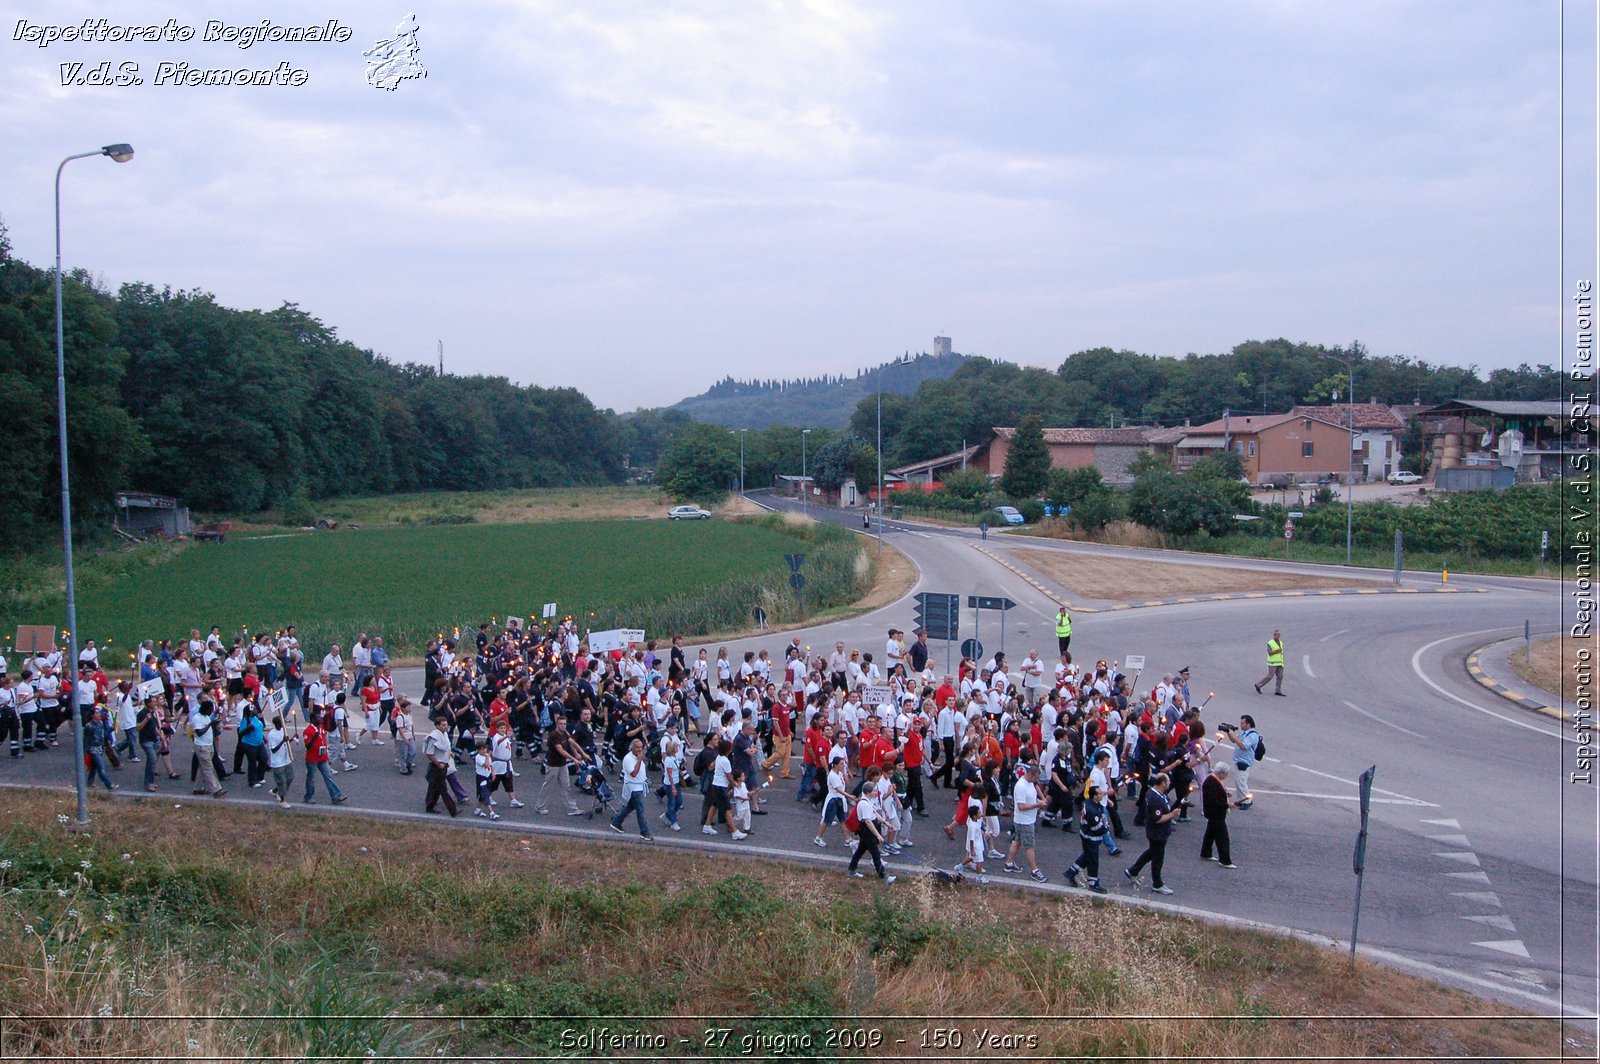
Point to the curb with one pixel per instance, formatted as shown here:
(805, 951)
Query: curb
(1475, 670)
(1232, 596)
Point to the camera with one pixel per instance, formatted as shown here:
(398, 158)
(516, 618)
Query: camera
(1227, 727)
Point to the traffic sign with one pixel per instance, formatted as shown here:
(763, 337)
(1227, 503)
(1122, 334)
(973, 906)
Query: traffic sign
(939, 614)
(795, 561)
(798, 581)
(988, 602)
(971, 648)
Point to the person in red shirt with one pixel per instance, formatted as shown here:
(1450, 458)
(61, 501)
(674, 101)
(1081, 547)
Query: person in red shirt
(912, 751)
(316, 746)
(782, 738)
(871, 747)
(814, 759)
(499, 712)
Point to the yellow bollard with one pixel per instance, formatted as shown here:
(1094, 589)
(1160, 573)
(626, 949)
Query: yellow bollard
(1444, 576)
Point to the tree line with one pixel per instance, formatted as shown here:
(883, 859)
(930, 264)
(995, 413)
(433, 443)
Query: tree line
(237, 411)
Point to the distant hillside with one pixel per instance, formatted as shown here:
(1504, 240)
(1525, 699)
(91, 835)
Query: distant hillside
(824, 402)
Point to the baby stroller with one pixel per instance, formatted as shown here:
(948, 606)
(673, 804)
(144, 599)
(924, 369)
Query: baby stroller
(592, 781)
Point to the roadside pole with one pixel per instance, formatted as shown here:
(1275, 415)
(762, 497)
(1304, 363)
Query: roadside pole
(1361, 853)
(1399, 553)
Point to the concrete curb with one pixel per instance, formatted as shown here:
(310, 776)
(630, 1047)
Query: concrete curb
(1476, 671)
(1225, 597)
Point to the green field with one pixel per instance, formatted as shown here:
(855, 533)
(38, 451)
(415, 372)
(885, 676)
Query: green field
(406, 584)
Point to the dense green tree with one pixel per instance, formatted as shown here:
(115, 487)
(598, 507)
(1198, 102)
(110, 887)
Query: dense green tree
(1027, 460)
(701, 465)
(845, 457)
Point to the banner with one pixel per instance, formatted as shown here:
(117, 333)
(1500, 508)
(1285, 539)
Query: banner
(614, 639)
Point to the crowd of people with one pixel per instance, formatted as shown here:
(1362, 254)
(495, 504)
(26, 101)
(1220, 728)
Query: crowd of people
(867, 741)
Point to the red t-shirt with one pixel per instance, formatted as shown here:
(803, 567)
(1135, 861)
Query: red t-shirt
(780, 719)
(871, 752)
(913, 750)
(816, 747)
(316, 741)
(1012, 745)
(943, 695)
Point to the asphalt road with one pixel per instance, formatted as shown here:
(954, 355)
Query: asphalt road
(1481, 864)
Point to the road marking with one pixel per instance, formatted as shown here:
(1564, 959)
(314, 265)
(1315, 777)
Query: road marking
(1465, 858)
(1331, 635)
(1473, 877)
(1353, 783)
(1482, 897)
(1512, 946)
(1347, 798)
(1502, 922)
(1450, 840)
(1380, 720)
(1416, 667)
(1445, 823)
(1305, 663)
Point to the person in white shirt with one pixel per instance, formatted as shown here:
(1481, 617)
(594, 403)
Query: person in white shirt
(280, 759)
(333, 665)
(128, 719)
(501, 748)
(894, 651)
(405, 737)
(869, 834)
(835, 806)
(203, 723)
(89, 655)
(1026, 803)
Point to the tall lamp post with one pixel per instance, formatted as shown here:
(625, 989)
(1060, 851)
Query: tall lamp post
(740, 433)
(1350, 462)
(886, 365)
(121, 153)
(805, 489)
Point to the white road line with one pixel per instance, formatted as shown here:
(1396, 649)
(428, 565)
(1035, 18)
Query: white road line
(1387, 724)
(1512, 946)
(1416, 667)
(1445, 823)
(1353, 783)
(1502, 922)
(1451, 840)
(1471, 877)
(1305, 663)
(1330, 635)
(1467, 857)
(1347, 798)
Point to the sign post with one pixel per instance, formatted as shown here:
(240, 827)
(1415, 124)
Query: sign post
(1360, 860)
(797, 579)
(940, 616)
(978, 603)
(1399, 553)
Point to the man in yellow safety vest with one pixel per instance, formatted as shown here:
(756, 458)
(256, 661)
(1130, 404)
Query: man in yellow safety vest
(1274, 664)
(1063, 629)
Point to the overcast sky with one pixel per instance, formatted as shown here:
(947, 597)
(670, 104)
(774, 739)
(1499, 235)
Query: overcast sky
(639, 198)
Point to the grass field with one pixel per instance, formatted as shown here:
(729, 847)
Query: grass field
(338, 937)
(519, 506)
(406, 584)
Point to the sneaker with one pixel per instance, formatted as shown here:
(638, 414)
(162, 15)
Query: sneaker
(543, 812)
(479, 812)
(219, 793)
(311, 801)
(153, 788)
(907, 844)
(618, 830)
(332, 771)
(1246, 804)
(1207, 857)
(674, 826)
(377, 742)
(996, 855)
(983, 879)
(1163, 889)
(574, 812)
(1009, 867)
(737, 835)
(1038, 875)
(1072, 876)
(253, 786)
(890, 879)
(1229, 864)
(707, 829)
(1098, 889)
(516, 804)
(348, 767)
(648, 838)
(821, 842)
(1131, 878)
(494, 816)
(858, 875)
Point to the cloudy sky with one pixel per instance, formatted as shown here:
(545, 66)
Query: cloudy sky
(638, 198)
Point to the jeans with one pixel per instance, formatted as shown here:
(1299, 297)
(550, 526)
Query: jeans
(635, 805)
(867, 842)
(282, 780)
(255, 762)
(312, 770)
(129, 741)
(97, 767)
(406, 751)
(674, 802)
(152, 750)
(808, 780)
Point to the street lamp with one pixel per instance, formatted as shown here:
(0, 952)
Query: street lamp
(886, 365)
(805, 491)
(1350, 461)
(121, 153)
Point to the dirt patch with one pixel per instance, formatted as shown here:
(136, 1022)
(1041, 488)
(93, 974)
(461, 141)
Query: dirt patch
(1555, 662)
(1116, 534)
(1121, 579)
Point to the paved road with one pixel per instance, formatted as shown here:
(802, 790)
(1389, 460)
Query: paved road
(1482, 860)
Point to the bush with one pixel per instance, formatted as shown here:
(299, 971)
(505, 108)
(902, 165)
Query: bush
(298, 510)
(1032, 510)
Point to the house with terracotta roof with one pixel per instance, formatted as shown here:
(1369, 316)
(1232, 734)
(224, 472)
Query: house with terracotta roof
(1109, 450)
(1273, 447)
(1378, 429)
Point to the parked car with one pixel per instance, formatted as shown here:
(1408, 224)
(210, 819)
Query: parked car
(688, 513)
(1404, 477)
(1010, 515)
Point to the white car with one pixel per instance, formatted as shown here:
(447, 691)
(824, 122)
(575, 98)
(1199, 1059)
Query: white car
(1404, 477)
(688, 513)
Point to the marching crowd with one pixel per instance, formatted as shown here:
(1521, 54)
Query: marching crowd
(1039, 744)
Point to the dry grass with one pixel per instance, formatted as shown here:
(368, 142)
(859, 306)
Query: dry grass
(1116, 534)
(1123, 579)
(1556, 663)
(495, 927)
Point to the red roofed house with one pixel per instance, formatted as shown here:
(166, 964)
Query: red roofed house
(1273, 447)
(1377, 438)
(1109, 450)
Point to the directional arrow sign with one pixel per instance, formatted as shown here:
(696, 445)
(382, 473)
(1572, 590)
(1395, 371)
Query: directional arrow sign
(795, 561)
(988, 602)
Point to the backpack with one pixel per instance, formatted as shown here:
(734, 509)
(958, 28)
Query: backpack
(852, 823)
(1261, 748)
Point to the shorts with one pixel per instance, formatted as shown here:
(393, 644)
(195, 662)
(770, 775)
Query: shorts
(718, 797)
(991, 826)
(483, 789)
(1025, 834)
(834, 811)
(236, 685)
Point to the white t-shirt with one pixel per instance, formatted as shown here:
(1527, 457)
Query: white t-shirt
(278, 753)
(721, 771)
(633, 774)
(866, 810)
(1025, 793)
(205, 729)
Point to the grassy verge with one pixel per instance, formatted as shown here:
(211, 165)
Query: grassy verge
(407, 584)
(1555, 664)
(355, 938)
(466, 507)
